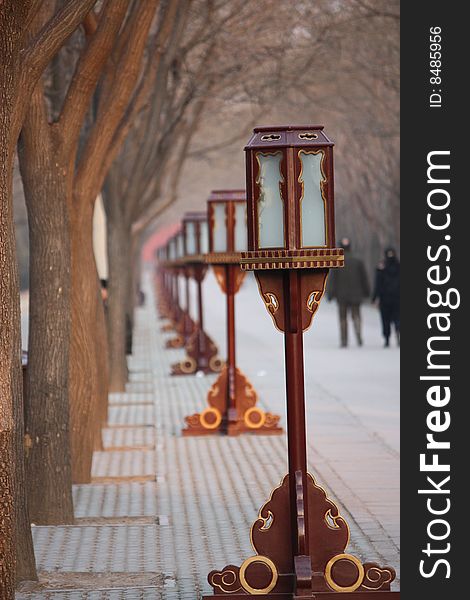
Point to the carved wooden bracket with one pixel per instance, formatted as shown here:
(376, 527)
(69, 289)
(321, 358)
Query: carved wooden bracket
(220, 275)
(271, 288)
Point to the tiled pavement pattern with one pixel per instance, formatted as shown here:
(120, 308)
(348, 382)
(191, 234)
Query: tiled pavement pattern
(164, 510)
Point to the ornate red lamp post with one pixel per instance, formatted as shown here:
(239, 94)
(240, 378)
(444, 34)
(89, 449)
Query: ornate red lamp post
(300, 538)
(167, 303)
(178, 317)
(169, 306)
(184, 325)
(161, 283)
(232, 399)
(201, 352)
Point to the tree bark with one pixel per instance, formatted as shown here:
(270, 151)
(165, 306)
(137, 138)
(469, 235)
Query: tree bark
(16, 549)
(135, 272)
(49, 476)
(25, 561)
(119, 282)
(84, 387)
(8, 357)
(7, 553)
(8, 352)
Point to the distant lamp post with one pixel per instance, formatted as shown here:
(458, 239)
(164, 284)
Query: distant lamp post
(232, 400)
(176, 254)
(201, 351)
(187, 325)
(168, 305)
(300, 538)
(161, 283)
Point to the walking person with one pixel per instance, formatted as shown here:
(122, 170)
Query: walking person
(349, 286)
(387, 292)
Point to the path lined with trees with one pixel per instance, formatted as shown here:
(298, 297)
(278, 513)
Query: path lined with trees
(118, 97)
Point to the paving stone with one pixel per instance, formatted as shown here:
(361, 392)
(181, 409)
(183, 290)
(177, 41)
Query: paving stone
(86, 548)
(147, 593)
(134, 414)
(129, 437)
(115, 500)
(123, 463)
(131, 398)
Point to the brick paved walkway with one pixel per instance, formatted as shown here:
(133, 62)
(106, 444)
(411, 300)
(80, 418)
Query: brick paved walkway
(163, 510)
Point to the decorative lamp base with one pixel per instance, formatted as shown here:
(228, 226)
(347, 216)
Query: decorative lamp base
(245, 417)
(326, 571)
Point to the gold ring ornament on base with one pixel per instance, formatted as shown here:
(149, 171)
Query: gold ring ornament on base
(247, 418)
(330, 579)
(269, 564)
(215, 364)
(188, 365)
(210, 411)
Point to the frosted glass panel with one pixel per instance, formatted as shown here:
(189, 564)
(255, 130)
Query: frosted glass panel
(203, 237)
(220, 228)
(313, 208)
(179, 246)
(240, 227)
(270, 205)
(191, 238)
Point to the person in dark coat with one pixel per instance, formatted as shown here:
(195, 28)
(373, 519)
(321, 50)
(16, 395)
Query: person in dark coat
(349, 285)
(387, 292)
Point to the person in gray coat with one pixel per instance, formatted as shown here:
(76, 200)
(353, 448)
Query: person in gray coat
(349, 286)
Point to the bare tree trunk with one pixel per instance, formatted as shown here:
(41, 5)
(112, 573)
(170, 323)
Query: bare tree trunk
(25, 561)
(8, 358)
(83, 360)
(87, 370)
(15, 531)
(7, 553)
(137, 243)
(49, 476)
(135, 274)
(119, 282)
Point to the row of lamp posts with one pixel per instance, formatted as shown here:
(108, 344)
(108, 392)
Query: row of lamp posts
(282, 228)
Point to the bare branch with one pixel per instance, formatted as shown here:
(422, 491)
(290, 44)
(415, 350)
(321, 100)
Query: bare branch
(90, 176)
(90, 23)
(88, 70)
(49, 40)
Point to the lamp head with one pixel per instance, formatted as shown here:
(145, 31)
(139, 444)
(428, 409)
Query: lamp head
(290, 198)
